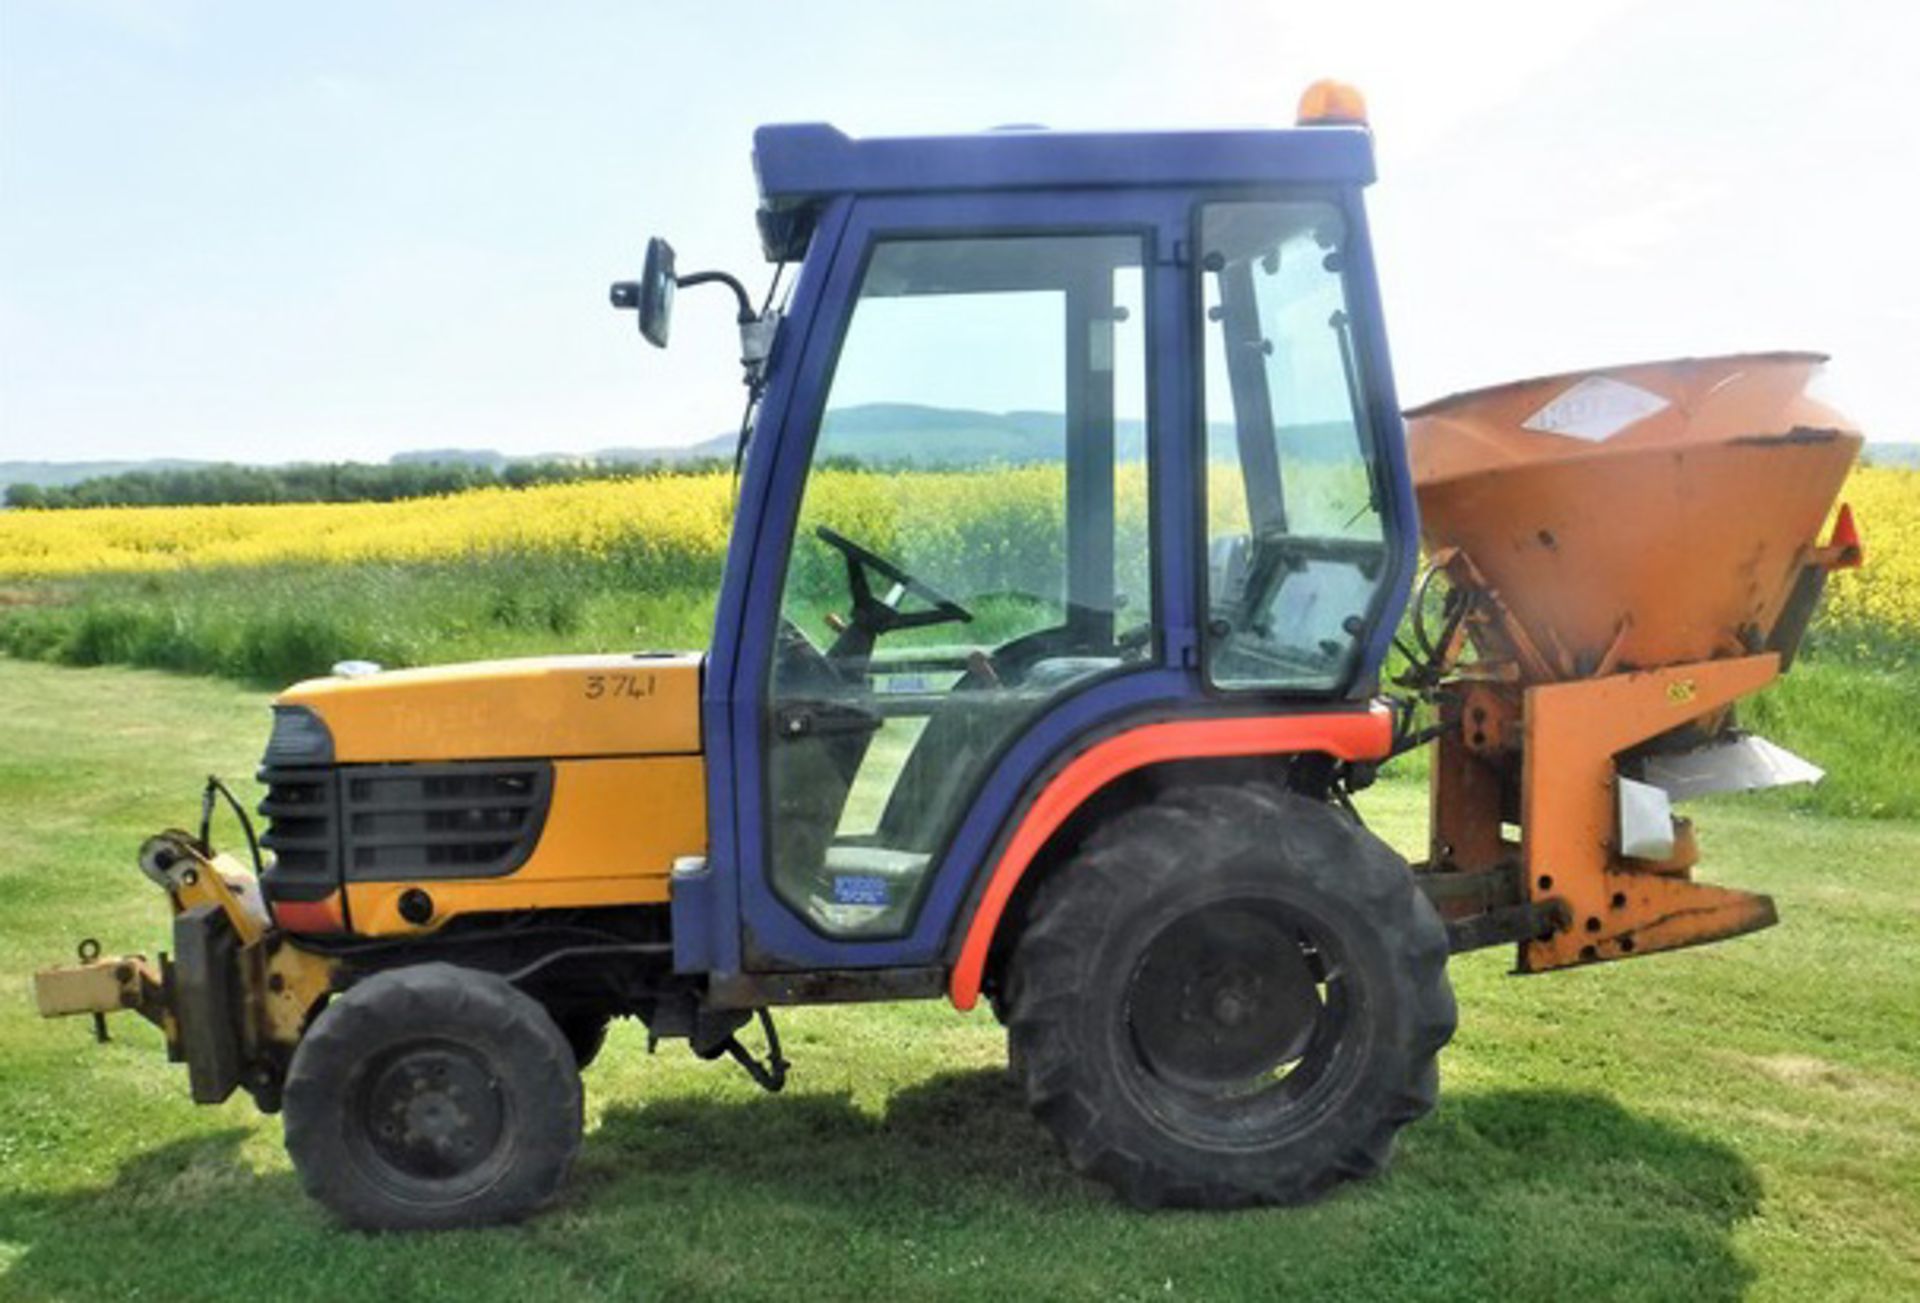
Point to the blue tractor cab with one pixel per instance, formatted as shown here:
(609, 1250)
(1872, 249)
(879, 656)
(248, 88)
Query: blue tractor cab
(1074, 522)
(1161, 356)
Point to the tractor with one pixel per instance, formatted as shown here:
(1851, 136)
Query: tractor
(1075, 522)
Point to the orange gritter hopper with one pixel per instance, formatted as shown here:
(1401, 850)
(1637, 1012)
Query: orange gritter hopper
(1641, 515)
(1629, 552)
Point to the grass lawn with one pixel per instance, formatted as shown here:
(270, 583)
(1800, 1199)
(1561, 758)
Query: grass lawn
(1741, 1119)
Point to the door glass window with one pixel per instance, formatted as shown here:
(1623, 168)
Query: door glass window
(972, 546)
(1296, 540)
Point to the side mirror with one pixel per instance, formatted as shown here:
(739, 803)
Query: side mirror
(652, 294)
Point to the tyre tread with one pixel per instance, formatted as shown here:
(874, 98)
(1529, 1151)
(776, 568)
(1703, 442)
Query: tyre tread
(388, 1007)
(1145, 851)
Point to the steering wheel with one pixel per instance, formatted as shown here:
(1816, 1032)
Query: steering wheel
(873, 616)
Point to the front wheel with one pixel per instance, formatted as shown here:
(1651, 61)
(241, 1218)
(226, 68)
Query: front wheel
(1232, 995)
(433, 1096)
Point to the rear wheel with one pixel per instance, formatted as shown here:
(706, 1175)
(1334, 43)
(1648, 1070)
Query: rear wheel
(433, 1096)
(1233, 995)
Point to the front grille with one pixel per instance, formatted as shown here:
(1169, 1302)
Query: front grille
(398, 823)
(302, 810)
(441, 821)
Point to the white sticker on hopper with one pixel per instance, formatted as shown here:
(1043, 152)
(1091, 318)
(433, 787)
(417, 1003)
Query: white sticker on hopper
(1596, 408)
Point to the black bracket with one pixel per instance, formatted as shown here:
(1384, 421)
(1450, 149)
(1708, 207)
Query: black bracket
(770, 1076)
(1528, 921)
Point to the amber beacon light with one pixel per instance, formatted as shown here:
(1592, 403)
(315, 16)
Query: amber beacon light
(1332, 103)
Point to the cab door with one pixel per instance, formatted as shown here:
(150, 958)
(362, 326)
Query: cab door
(965, 555)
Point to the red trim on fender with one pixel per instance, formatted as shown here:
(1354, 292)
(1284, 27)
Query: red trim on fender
(1349, 735)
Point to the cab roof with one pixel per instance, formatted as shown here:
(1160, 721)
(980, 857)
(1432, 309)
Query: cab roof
(802, 165)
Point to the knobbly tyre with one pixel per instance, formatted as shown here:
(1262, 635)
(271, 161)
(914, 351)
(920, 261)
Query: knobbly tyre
(1092, 764)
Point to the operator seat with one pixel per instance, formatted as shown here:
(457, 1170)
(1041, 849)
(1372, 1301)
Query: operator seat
(957, 746)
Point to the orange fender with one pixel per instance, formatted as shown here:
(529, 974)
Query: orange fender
(1346, 735)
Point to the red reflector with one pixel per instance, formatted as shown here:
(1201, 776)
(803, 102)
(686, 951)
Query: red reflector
(309, 915)
(1847, 549)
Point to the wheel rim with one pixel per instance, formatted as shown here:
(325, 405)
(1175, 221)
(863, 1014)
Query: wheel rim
(429, 1117)
(1238, 1018)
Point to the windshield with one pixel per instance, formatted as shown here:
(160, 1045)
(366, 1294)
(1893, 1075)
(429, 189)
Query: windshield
(973, 547)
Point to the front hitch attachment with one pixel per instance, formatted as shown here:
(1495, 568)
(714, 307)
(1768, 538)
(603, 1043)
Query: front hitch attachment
(101, 984)
(234, 997)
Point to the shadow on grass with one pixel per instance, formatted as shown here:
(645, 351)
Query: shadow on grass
(1520, 1192)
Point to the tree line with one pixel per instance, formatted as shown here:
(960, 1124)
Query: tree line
(322, 482)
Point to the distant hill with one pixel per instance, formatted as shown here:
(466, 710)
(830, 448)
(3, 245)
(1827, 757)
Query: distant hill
(903, 434)
(486, 457)
(882, 433)
(1892, 454)
(51, 473)
(893, 433)
(718, 448)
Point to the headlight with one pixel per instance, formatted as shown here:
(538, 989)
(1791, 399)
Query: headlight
(299, 737)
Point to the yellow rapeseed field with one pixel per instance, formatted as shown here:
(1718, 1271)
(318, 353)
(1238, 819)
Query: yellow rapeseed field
(1885, 592)
(663, 517)
(673, 520)
(688, 512)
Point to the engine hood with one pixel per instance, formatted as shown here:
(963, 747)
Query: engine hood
(547, 707)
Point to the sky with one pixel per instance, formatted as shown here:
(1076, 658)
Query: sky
(315, 232)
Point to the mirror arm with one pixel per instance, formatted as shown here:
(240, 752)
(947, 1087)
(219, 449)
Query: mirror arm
(756, 329)
(747, 315)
